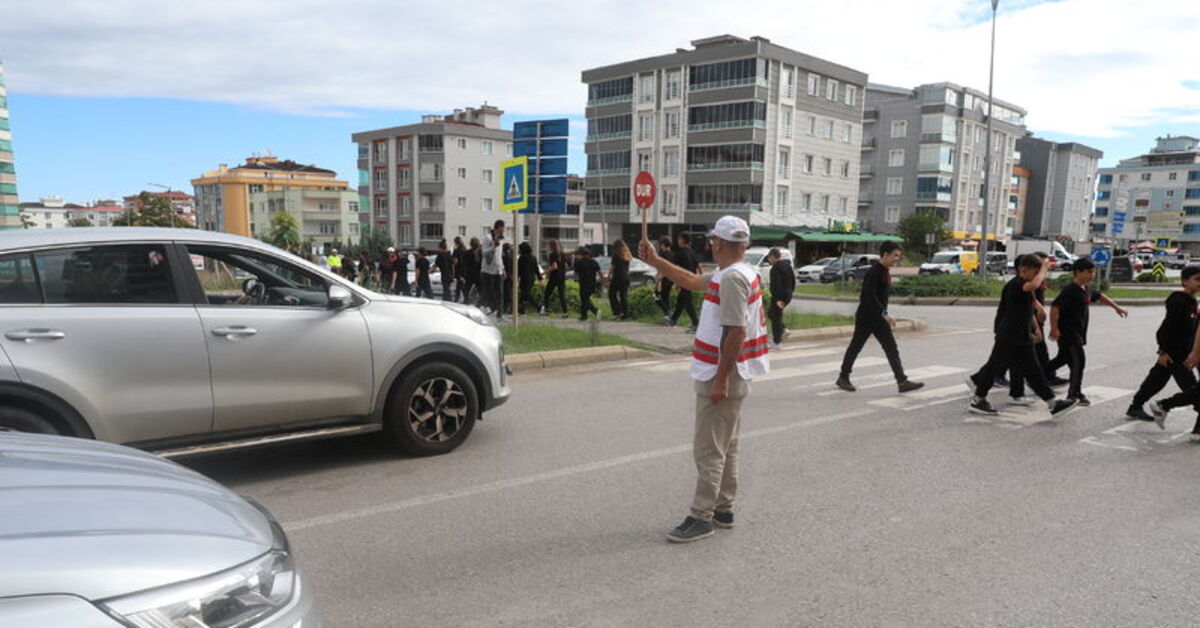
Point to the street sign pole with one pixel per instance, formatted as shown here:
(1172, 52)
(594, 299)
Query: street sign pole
(644, 191)
(514, 196)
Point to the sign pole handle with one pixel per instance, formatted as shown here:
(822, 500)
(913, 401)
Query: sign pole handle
(515, 273)
(645, 224)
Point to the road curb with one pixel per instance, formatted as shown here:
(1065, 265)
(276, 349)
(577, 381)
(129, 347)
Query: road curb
(568, 357)
(952, 300)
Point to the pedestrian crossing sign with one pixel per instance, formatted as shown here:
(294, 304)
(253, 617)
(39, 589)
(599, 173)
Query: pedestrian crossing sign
(514, 184)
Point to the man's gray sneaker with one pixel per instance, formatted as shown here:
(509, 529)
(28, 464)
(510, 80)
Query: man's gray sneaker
(723, 520)
(1160, 414)
(692, 529)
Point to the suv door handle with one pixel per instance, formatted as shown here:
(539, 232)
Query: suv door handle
(35, 335)
(234, 331)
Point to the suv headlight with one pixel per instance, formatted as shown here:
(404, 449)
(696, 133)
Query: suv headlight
(237, 597)
(470, 312)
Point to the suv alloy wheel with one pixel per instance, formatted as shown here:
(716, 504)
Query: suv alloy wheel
(433, 410)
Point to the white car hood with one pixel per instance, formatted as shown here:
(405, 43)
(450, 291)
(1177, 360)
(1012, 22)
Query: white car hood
(98, 520)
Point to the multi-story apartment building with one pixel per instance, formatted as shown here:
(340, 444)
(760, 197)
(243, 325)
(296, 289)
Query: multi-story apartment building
(1018, 192)
(1062, 187)
(324, 216)
(223, 195)
(10, 210)
(182, 203)
(101, 213)
(439, 178)
(1156, 194)
(732, 126)
(924, 150)
(49, 212)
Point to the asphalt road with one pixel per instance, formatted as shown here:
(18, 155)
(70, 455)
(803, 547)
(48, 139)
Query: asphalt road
(864, 509)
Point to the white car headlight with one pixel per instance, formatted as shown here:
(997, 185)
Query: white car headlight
(470, 312)
(237, 597)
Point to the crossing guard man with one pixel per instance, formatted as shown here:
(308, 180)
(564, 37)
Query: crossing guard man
(730, 348)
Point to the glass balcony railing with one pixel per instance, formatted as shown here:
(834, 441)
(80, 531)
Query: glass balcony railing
(726, 165)
(610, 100)
(619, 135)
(737, 82)
(732, 124)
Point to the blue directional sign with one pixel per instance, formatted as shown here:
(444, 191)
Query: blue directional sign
(1101, 256)
(514, 184)
(1160, 253)
(544, 142)
(1162, 243)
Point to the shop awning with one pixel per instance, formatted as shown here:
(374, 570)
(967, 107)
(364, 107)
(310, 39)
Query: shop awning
(780, 234)
(769, 233)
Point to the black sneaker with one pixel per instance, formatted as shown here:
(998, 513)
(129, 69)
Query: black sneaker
(981, 406)
(971, 382)
(1082, 401)
(844, 384)
(1001, 381)
(908, 386)
(1062, 405)
(723, 520)
(1138, 414)
(1057, 382)
(692, 529)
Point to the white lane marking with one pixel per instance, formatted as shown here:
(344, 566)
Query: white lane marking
(960, 332)
(928, 395)
(812, 369)
(888, 379)
(1022, 416)
(423, 500)
(642, 363)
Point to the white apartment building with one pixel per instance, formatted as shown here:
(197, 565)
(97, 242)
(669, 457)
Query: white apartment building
(49, 212)
(324, 216)
(732, 126)
(1156, 195)
(436, 179)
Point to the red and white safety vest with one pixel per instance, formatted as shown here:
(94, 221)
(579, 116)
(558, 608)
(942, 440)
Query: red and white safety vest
(706, 350)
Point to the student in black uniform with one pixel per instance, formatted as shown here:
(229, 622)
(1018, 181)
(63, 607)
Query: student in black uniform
(459, 257)
(618, 280)
(587, 270)
(662, 292)
(506, 286)
(527, 273)
(1016, 382)
(474, 261)
(556, 278)
(1069, 325)
(783, 284)
(387, 270)
(1176, 337)
(872, 319)
(1014, 341)
(686, 259)
(445, 266)
(400, 284)
(424, 287)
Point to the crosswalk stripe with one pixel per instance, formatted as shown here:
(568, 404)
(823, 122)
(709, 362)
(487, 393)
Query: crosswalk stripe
(1038, 413)
(812, 369)
(931, 396)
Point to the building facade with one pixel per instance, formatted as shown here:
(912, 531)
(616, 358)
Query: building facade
(1018, 193)
(1151, 196)
(731, 126)
(10, 210)
(439, 178)
(324, 216)
(923, 150)
(223, 195)
(1062, 187)
(49, 212)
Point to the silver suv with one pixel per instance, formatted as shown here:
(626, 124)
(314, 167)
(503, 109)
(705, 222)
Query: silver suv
(186, 341)
(99, 535)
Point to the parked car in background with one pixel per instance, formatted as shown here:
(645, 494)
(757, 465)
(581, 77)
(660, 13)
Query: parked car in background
(190, 341)
(849, 266)
(812, 272)
(640, 273)
(101, 535)
(954, 262)
(756, 256)
(997, 263)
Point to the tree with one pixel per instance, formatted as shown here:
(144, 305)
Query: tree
(285, 231)
(79, 222)
(376, 242)
(152, 211)
(916, 228)
(26, 221)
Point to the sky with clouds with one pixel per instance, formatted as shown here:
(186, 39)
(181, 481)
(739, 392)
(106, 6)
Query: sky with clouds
(108, 96)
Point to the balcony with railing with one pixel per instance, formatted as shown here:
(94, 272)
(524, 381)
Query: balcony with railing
(618, 135)
(868, 143)
(725, 165)
(734, 82)
(944, 138)
(867, 170)
(608, 100)
(729, 124)
(870, 115)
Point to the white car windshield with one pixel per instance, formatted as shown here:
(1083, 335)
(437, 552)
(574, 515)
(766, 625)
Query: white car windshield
(824, 262)
(754, 258)
(945, 258)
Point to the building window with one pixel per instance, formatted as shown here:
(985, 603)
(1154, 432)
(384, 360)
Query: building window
(670, 201)
(896, 158)
(645, 127)
(895, 186)
(814, 84)
(1170, 193)
(845, 169)
(430, 230)
(831, 89)
(1192, 228)
(891, 214)
(899, 128)
(828, 167)
(404, 175)
(1188, 210)
(851, 95)
(1191, 193)
(462, 231)
(485, 147)
(1102, 212)
(616, 90)
(485, 204)
(825, 204)
(806, 201)
(847, 132)
(462, 202)
(827, 130)
(845, 204)
(671, 124)
(645, 162)
(724, 196)
(808, 164)
(462, 173)
(785, 82)
(646, 88)
(1145, 176)
(487, 175)
(1106, 179)
(1193, 175)
(727, 74)
(785, 164)
(671, 162)
(462, 143)
(786, 122)
(673, 85)
(810, 125)
(728, 115)
(781, 201)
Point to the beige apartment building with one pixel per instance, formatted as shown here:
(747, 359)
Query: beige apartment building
(223, 195)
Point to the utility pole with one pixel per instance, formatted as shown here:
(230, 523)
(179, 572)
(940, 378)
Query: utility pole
(987, 173)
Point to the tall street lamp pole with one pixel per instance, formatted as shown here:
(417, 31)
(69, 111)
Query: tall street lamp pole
(987, 173)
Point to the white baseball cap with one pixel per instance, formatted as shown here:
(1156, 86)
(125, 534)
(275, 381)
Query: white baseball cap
(391, 249)
(731, 229)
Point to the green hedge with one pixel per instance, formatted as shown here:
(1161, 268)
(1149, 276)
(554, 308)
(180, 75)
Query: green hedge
(1148, 277)
(1056, 284)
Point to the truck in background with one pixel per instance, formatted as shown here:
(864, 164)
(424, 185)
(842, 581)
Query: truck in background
(1061, 258)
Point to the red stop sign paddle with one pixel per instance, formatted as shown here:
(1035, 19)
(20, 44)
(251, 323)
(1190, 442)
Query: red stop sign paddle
(644, 191)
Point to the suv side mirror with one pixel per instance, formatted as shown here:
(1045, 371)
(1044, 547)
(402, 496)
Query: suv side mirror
(340, 297)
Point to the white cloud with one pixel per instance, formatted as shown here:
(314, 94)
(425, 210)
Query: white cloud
(1082, 67)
